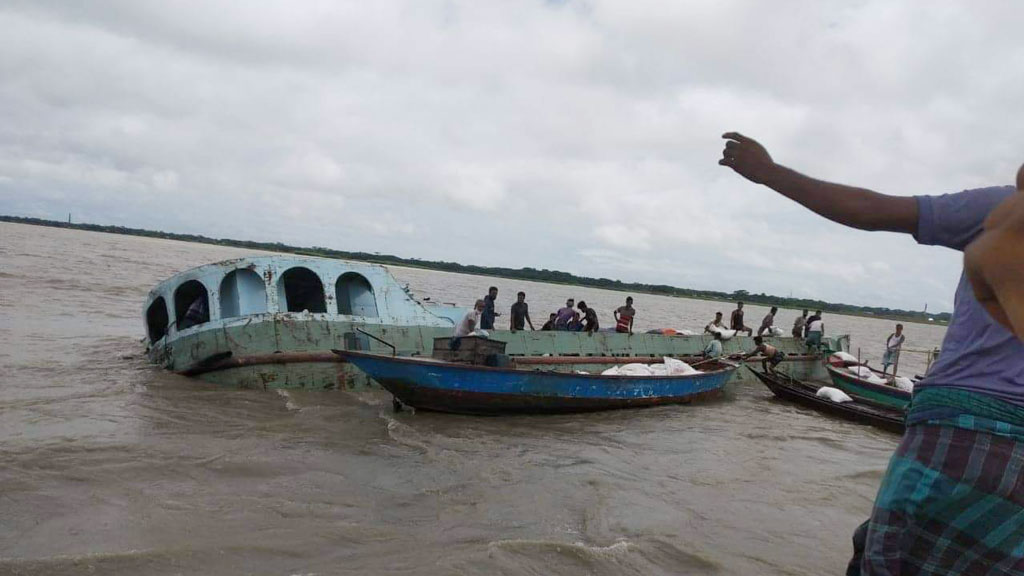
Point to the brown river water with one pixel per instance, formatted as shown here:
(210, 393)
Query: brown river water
(109, 465)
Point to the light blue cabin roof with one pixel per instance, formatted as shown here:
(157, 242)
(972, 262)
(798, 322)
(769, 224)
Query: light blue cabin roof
(239, 290)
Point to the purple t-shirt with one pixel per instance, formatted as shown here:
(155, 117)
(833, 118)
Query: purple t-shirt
(978, 354)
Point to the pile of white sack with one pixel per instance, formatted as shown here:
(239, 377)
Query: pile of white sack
(725, 332)
(865, 373)
(669, 367)
(833, 394)
(844, 356)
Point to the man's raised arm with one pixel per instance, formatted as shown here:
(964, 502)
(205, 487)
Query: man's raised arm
(847, 205)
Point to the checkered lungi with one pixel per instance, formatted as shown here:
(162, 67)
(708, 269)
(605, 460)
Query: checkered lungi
(952, 500)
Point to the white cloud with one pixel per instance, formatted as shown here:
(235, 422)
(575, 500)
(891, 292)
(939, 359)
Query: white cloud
(551, 135)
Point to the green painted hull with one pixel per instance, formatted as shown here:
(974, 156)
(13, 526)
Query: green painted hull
(881, 394)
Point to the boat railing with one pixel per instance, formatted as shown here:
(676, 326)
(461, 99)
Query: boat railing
(930, 355)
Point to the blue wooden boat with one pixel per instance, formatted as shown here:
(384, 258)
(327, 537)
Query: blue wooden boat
(432, 384)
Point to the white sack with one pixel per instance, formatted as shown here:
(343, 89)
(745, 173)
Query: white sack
(678, 367)
(844, 356)
(726, 333)
(635, 369)
(904, 383)
(833, 394)
(861, 371)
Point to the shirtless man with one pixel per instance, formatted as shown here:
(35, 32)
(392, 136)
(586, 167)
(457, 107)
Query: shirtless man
(768, 323)
(772, 356)
(736, 320)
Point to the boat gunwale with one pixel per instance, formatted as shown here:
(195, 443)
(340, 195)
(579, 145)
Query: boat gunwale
(427, 362)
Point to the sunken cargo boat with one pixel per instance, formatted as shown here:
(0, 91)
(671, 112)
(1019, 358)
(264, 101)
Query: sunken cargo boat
(272, 321)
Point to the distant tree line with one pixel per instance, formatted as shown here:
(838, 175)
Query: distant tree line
(542, 275)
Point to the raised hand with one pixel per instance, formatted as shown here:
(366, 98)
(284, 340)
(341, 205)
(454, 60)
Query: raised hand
(747, 157)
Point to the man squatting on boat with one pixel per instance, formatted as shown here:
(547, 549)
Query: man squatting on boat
(952, 498)
(736, 320)
(470, 321)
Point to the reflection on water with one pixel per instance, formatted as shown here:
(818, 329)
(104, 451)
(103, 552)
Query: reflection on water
(112, 465)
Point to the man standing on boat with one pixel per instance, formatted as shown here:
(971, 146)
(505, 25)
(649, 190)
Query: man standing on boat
(798, 325)
(624, 317)
(814, 331)
(893, 344)
(520, 313)
(951, 500)
(736, 320)
(487, 318)
(768, 323)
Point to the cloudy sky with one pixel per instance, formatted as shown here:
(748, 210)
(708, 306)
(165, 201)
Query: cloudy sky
(573, 135)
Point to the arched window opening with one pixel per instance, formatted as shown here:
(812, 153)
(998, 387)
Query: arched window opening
(191, 305)
(242, 292)
(355, 296)
(302, 290)
(157, 320)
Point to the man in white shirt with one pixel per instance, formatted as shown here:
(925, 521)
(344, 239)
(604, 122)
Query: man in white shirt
(470, 321)
(815, 331)
(892, 349)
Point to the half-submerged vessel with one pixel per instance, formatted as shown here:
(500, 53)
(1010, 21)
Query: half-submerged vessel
(272, 321)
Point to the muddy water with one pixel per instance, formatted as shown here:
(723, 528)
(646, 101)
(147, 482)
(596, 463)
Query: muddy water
(111, 466)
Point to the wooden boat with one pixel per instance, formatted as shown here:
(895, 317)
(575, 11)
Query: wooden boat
(805, 394)
(883, 394)
(433, 384)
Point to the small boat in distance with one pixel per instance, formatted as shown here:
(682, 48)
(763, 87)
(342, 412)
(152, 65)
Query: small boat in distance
(877, 389)
(442, 386)
(805, 394)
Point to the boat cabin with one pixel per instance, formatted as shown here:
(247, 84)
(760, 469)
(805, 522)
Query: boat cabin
(224, 293)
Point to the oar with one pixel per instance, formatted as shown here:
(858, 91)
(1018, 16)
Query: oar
(394, 351)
